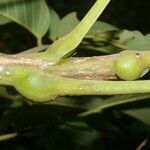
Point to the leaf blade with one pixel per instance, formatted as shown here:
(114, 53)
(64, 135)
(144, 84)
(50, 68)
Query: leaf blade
(32, 15)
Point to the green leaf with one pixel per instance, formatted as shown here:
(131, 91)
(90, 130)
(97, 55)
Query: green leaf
(77, 124)
(67, 24)
(114, 101)
(76, 102)
(7, 136)
(54, 25)
(31, 14)
(148, 36)
(60, 28)
(132, 40)
(104, 49)
(4, 20)
(98, 38)
(141, 114)
(100, 27)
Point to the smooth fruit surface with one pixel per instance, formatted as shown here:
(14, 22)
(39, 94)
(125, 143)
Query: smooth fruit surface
(127, 67)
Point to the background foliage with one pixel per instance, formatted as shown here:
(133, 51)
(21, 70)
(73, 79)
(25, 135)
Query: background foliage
(121, 122)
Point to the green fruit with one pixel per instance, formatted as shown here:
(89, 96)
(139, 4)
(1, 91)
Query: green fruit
(127, 66)
(35, 85)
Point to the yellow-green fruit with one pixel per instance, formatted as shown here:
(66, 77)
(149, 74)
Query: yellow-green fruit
(128, 67)
(35, 85)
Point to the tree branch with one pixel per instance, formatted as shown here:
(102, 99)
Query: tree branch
(97, 67)
(91, 68)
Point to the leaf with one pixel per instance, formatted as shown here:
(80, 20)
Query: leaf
(108, 49)
(60, 28)
(148, 36)
(100, 27)
(67, 24)
(31, 14)
(132, 40)
(141, 114)
(114, 101)
(7, 136)
(96, 105)
(100, 34)
(76, 102)
(54, 25)
(4, 20)
(77, 124)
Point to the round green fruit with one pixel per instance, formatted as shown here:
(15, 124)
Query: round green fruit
(128, 67)
(35, 85)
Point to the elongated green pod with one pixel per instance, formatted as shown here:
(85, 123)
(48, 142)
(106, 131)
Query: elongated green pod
(39, 86)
